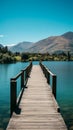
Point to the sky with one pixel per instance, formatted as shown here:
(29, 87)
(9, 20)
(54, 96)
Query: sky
(33, 20)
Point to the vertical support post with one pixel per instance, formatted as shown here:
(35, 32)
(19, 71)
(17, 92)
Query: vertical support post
(48, 77)
(22, 79)
(45, 72)
(30, 66)
(13, 95)
(27, 73)
(43, 69)
(54, 85)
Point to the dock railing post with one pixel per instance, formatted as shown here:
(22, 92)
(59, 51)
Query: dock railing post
(48, 77)
(13, 94)
(22, 78)
(46, 72)
(54, 85)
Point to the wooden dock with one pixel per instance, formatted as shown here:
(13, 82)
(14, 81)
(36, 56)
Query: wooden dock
(38, 109)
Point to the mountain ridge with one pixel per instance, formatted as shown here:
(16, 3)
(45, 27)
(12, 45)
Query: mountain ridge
(51, 45)
(20, 47)
(68, 35)
(1, 45)
(54, 44)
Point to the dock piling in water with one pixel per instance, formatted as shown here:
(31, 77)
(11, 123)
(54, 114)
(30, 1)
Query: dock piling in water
(54, 85)
(13, 96)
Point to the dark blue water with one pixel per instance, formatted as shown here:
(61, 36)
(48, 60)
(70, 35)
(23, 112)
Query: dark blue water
(7, 71)
(64, 72)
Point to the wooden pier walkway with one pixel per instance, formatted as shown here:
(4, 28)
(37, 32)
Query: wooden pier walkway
(38, 109)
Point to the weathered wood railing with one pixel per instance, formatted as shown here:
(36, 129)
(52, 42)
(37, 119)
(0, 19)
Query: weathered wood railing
(14, 100)
(48, 73)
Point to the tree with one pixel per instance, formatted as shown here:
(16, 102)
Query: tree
(69, 56)
(5, 49)
(24, 56)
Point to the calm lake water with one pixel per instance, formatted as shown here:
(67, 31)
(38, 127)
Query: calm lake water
(64, 72)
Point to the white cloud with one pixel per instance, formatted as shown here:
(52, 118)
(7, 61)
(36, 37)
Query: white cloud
(1, 35)
(10, 45)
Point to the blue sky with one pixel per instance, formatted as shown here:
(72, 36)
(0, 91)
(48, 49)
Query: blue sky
(33, 20)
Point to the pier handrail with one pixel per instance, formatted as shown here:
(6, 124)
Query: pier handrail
(47, 74)
(14, 100)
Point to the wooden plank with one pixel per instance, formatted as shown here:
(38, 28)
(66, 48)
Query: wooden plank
(38, 107)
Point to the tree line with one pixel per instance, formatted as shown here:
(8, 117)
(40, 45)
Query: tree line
(7, 56)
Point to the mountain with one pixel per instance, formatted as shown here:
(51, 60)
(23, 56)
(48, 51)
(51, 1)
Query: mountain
(54, 44)
(1, 45)
(68, 35)
(20, 47)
